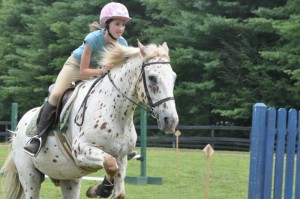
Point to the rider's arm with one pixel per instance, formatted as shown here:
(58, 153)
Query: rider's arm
(85, 70)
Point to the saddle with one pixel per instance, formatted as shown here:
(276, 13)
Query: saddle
(63, 109)
(61, 117)
(65, 104)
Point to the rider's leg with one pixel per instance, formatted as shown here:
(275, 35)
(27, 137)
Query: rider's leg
(68, 74)
(45, 123)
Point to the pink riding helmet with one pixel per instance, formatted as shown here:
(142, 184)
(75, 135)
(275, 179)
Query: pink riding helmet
(112, 10)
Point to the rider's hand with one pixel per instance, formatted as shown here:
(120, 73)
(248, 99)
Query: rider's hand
(106, 69)
(109, 67)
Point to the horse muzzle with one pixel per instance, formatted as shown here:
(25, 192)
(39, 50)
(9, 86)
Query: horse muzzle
(168, 124)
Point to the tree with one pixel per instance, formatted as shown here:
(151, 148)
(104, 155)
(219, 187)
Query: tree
(216, 53)
(16, 75)
(285, 55)
(35, 47)
(42, 37)
(227, 54)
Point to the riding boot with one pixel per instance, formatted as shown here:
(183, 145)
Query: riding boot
(44, 124)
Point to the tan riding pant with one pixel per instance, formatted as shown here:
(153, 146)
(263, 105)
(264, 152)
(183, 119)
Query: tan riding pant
(68, 74)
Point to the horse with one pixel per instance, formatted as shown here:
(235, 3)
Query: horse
(100, 128)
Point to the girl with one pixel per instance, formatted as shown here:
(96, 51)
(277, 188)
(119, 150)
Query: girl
(82, 64)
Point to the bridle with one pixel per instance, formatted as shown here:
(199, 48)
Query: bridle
(149, 108)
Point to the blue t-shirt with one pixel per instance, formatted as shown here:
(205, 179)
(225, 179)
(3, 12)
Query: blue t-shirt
(96, 43)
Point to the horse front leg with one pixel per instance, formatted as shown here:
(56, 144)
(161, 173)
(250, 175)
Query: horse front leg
(70, 188)
(89, 156)
(119, 192)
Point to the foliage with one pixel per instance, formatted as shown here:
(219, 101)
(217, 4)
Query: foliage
(228, 54)
(222, 52)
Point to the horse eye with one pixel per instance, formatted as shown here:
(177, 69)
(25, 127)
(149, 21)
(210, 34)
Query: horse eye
(152, 78)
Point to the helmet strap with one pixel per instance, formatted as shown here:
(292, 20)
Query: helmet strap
(107, 28)
(111, 36)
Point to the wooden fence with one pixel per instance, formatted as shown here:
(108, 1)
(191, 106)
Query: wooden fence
(220, 137)
(4, 134)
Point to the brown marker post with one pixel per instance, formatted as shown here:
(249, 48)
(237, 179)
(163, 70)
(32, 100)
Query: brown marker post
(208, 151)
(177, 134)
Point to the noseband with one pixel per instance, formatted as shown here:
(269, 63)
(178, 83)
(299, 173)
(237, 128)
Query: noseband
(151, 106)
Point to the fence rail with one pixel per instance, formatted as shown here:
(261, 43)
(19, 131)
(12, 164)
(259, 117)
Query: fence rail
(195, 142)
(208, 134)
(225, 141)
(4, 134)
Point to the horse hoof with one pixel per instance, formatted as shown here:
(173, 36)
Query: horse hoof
(92, 192)
(131, 155)
(102, 190)
(55, 182)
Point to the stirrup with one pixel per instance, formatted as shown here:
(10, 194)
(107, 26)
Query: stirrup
(40, 147)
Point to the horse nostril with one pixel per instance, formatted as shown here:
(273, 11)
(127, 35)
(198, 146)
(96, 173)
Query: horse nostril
(166, 120)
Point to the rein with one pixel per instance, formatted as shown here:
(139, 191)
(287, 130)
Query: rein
(113, 83)
(147, 108)
(152, 105)
(83, 105)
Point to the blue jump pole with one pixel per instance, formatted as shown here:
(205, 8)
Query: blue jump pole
(256, 154)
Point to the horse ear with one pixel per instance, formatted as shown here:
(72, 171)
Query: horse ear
(165, 47)
(142, 48)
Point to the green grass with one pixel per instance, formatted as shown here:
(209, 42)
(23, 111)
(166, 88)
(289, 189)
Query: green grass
(229, 173)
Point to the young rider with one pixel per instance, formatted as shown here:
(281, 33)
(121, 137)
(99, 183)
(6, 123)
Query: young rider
(82, 64)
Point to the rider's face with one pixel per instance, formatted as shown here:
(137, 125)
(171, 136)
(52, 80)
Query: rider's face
(117, 27)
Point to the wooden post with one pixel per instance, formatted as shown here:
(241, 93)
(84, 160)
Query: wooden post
(177, 134)
(208, 151)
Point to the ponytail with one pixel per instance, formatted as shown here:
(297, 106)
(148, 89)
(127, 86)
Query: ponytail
(94, 26)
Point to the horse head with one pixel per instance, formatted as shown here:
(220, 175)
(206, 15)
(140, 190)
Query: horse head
(156, 84)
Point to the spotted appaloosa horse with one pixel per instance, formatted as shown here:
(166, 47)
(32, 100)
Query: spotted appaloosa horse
(107, 132)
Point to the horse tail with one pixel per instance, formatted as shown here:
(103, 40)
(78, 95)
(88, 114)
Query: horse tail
(12, 187)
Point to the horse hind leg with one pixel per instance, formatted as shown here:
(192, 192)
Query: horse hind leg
(70, 188)
(30, 178)
(20, 185)
(31, 181)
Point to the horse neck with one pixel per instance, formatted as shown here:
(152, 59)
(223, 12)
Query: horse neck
(127, 76)
(125, 80)
(106, 102)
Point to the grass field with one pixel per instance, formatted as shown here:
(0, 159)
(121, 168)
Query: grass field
(228, 176)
